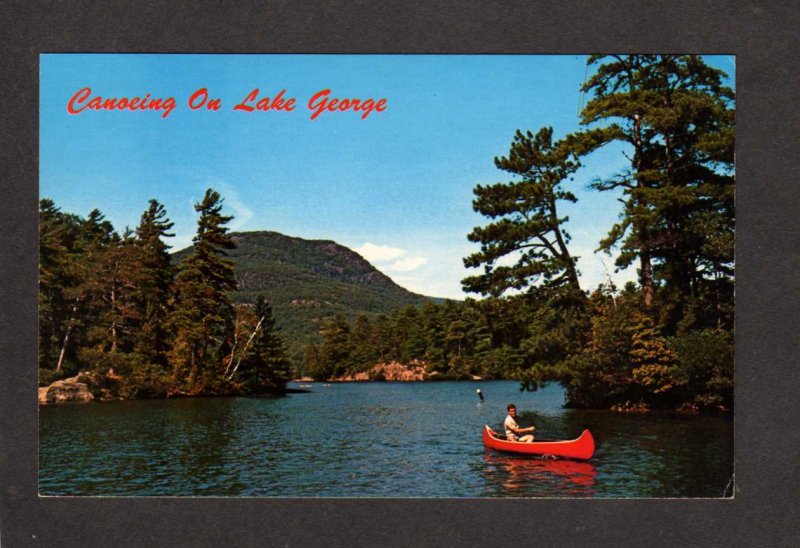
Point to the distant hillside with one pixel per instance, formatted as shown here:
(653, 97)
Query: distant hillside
(308, 281)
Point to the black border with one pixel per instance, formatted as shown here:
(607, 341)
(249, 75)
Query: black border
(764, 38)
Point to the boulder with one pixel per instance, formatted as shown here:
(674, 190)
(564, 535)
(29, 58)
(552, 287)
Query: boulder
(66, 390)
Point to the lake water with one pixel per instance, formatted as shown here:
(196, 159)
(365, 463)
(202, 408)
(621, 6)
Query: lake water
(373, 440)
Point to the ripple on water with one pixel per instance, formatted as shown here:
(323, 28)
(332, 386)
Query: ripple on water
(374, 440)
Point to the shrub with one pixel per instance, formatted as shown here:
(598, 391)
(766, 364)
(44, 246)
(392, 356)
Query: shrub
(705, 358)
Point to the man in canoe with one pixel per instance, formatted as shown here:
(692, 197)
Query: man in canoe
(513, 430)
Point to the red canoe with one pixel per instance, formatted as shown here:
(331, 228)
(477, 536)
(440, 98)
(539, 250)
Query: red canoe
(581, 448)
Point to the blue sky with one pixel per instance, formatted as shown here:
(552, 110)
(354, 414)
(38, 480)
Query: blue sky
(396, 186)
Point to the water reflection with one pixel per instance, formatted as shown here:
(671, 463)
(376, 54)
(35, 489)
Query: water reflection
(373, 440)
(533, 476)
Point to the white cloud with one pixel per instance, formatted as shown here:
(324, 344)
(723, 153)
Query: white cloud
(406, 265)
(379, 253)
(241, 213)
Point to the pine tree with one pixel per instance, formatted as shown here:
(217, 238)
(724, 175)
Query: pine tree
(100, 309)
(113, 280)
(58, 275)
(529, 227)
(336, 349)
(259, 359)
(364, 352)
(654, 363)
(434, 334)
(203, 315)
(677, 118)
(155, 280)
(312, 363)
(381, 338)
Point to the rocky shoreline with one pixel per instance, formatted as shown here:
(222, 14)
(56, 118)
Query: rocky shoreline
(413, 371)
(392, 371)
(87, 387)
(72, 389)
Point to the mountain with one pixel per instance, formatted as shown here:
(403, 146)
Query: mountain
(308, 281)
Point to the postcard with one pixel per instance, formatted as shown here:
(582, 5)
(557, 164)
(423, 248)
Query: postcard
(386, 276)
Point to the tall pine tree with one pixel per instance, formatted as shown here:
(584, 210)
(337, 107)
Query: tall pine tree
(202, 317)
(677, 117)
(154, 283)
(528, 227)
(58, 274)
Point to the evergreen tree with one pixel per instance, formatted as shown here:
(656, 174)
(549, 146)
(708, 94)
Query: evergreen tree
(262, 364)
(111, 279)
(100, 307)
(705, 361)
(203, 315)
(58, 274)
(558, 328)
(410, 324)
(528, 228)
(434, 335)
(381, 339)
(676, 115)
(364, 353)
(155, 280)
(600, 374)
(312, 364)
(336, 350)
(111, 317)
(653, 361)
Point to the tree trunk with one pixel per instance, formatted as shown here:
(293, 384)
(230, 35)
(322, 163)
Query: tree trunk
(569, 263)
(113, 320)
(246, 346)
(233, 347)
(644, 253)
(193, 366)
(70, 325)
(647, 278)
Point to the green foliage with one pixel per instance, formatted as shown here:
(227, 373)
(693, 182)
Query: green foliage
(527, 226)
(654, 363)
(313, 365)
(676, 121)
(705, 358)
(453, 339)
(601, 373)
(558, 327)
(156, 273)
(49, 376)
(203, 314)
(629, 359)
(59, 253)
(309, 282)
(116, 304)
(124, 375)
(258, 358)
(336, 350)
(678, 215)
(109, 303)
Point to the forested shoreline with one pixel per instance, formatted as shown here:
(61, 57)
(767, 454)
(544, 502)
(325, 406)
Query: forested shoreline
(115, 305)
(666, 342)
